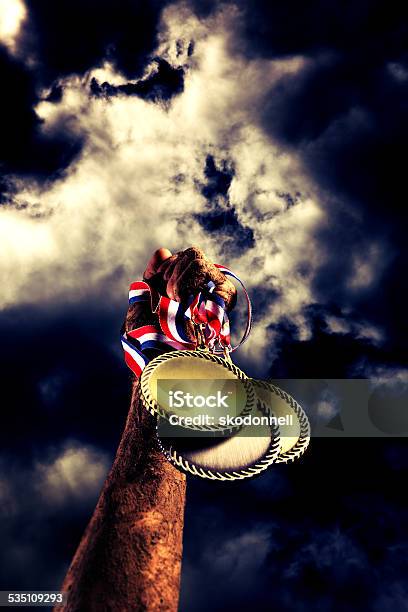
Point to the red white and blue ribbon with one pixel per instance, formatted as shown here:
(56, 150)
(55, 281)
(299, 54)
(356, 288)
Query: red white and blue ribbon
(207, 308)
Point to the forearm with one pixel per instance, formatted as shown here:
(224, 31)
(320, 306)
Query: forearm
(133, 542)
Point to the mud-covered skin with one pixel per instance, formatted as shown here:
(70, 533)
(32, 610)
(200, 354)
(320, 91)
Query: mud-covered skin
(129, 558)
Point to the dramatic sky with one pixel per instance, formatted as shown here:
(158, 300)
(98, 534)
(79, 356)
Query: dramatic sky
(274, 136)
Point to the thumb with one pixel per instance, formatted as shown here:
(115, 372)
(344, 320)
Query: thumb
(156, 261)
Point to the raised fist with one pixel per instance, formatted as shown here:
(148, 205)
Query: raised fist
(179, 276)
(186, 273)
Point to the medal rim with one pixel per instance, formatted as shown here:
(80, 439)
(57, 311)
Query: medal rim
(303, 441)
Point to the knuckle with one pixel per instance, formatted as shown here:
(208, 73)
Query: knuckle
(195, 252)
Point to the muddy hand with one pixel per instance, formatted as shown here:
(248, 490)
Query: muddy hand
(186, 273)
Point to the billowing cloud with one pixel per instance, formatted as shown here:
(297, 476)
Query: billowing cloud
(299, 537)
(12, 14)
(145, 173)
(64, 482)
(75, 473)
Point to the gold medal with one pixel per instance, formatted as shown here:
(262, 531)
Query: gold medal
(196, 369)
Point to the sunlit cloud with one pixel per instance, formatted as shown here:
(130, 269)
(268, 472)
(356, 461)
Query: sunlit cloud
(136, 184)
(12, 14)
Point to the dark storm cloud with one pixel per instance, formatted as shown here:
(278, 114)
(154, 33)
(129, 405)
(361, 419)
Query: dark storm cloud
(278, 29)
(218, 180)
(55, 93)
(262, 296)
(70, 37)
(44, 510)
(58, 387)
(220, 217)
(64, 391)
(348, 238)
(317, 534)
(162, 85)
(58, 40)
(346, 114)
(24, 147)
(327, 354)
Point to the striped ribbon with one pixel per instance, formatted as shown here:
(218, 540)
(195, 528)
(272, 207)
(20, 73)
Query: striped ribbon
(206, 308)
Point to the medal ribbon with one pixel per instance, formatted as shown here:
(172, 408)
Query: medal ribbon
(206, 308)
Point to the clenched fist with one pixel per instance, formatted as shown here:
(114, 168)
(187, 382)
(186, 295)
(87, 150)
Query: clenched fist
(186, 273)
(179, 276)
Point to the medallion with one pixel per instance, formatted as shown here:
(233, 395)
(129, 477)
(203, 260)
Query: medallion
(187, 367)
